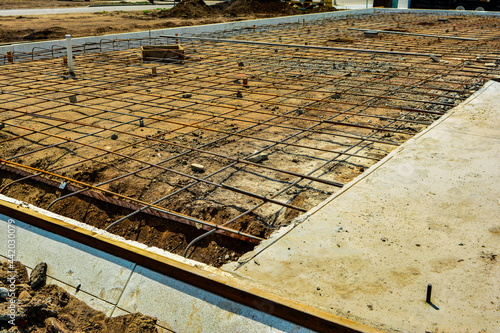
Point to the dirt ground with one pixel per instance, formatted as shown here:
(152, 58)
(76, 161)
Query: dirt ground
(187, 13)
(18, 4)
(46, 308)
(174, 237)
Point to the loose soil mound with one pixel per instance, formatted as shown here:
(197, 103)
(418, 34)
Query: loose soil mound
(48, 308)
(270, 7)
(49, 33)
(14, 35)
(189, 9)
(321, 9)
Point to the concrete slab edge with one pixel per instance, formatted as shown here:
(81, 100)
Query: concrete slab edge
(212, 28)
(277, 235)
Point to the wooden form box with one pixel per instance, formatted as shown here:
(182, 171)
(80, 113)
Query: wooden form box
(162, 53)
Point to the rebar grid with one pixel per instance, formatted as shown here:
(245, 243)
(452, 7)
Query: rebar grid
(239, 139)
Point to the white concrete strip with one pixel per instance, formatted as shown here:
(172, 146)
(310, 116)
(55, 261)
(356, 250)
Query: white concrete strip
(427, 213)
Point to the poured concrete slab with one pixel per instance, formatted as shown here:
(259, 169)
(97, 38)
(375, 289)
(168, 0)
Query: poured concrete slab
(426, 214)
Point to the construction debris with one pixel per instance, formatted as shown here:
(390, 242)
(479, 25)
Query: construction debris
(197, 167)
(38, 276)
(257, 158)
(435, 59)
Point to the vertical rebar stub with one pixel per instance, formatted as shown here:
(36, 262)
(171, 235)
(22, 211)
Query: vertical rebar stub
(429, 292)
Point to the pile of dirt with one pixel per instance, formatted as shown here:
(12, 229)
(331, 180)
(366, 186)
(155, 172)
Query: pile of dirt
(49, 33)
(188, 9)
(321, 9)
(15, 35)
(199, 9)
(269, 7)
(42, 308)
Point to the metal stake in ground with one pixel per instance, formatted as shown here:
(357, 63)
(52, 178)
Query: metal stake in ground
(429, 292)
